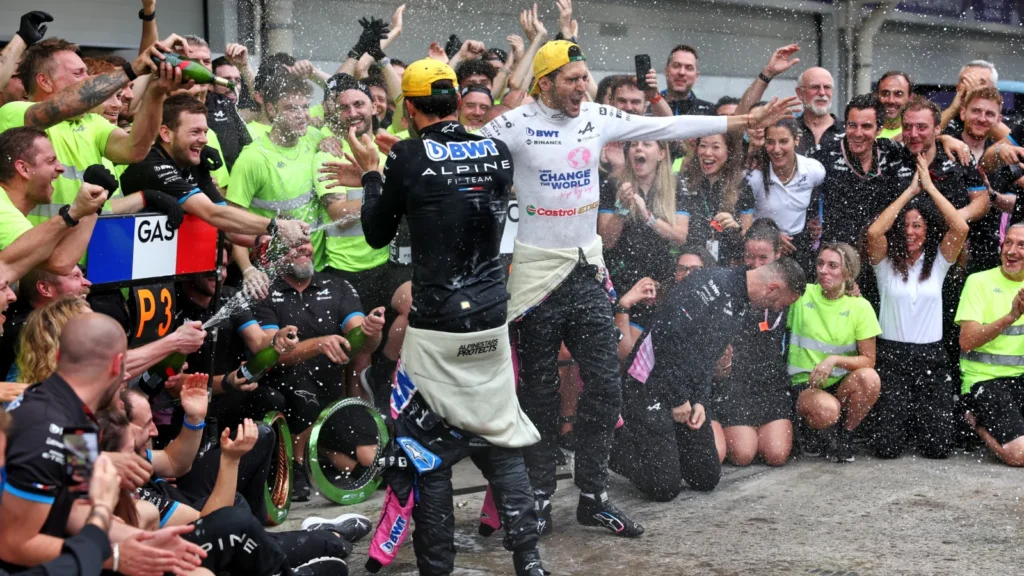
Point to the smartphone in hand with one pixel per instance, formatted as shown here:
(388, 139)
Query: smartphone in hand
(643, 66)
(81, 448)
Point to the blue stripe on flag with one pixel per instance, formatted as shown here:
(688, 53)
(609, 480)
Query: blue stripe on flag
(111, 250)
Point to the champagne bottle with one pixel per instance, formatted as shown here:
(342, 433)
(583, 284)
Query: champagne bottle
(194, 71)
(356, 339)
(263, 361)
(259, 364)
(152, 381)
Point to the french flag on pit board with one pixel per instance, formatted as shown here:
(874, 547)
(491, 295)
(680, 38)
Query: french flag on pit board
(125, 248)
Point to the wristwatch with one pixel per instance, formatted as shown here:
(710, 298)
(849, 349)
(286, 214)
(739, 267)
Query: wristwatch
(619, 309)
(146, 18)
(272, 227)
(65, 213)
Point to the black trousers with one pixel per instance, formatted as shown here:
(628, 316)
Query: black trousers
(253, 469)
(236, 543)
(579, 313)
(916, 405)
(434, 514)
(657, 454)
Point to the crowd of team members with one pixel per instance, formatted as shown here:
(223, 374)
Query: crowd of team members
(904, 214)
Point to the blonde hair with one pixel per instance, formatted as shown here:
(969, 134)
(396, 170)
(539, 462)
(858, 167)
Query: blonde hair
(850, 261)
(40, 338)
(663, 204)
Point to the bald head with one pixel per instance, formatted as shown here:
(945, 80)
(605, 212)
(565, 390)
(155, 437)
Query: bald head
(814, 88)
(90, 340)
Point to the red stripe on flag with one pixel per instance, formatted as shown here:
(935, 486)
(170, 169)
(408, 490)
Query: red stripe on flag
(197, 246)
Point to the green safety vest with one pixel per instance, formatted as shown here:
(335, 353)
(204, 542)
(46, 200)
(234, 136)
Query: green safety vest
(346, 248)
(987, 297)
(271, 180)
(820, 327)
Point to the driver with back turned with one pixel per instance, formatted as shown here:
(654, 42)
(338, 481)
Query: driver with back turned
(454, 394)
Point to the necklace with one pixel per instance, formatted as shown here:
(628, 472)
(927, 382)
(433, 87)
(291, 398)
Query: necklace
(785, 179)
(855, 168)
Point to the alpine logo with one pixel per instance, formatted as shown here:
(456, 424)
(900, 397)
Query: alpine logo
(478, 348)
(542, 133)
(395, 536)
(437, 151)
(588, 128)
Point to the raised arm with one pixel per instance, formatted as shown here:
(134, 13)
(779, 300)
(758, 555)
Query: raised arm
(150, 34)
(878, 246)
(176, 459)
(383, 197)
(956, 235)
(778, 63)
(79, 98)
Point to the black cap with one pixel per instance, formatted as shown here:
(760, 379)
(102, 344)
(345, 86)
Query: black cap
(341, 82)
(496, 52)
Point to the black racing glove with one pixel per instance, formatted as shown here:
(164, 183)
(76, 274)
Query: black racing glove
(32, 28)
(453, 46)
(210, 158)
(158, 201)
(98, 175)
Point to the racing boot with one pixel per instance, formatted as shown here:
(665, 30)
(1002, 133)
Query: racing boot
(597, 510)
(527, 563)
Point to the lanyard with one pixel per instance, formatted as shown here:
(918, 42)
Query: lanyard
(763, 326)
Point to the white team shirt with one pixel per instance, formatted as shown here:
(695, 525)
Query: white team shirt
(911, 311)
(786, 204)
(556, 160)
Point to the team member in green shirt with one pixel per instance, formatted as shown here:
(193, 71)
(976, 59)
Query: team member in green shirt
(28, 168)
(62, 93)
(275, 175)
(894, 90)
(832, 354)
(991, 319)
(347, 254)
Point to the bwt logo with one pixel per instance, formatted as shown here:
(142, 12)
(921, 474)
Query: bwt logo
(397, 529)
(542, 133)
(460, 150)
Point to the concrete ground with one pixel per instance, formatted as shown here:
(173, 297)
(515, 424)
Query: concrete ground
(961, 516)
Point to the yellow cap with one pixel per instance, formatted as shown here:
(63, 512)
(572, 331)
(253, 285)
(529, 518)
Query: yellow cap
(419, 77)
(551, 57)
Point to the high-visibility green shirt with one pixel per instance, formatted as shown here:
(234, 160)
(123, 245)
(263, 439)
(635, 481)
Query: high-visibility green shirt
(221, 175)
(987, 297)
(12, 222)
(890, 133)
(316, 111)
(820, 327)
(79, 143)
(346, 248)
(271, 180)
(258, 129)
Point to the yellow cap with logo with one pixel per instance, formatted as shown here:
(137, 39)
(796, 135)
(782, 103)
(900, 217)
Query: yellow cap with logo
(420, 76)
(551, 57)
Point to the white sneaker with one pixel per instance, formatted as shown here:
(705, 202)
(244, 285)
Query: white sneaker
(352, 527)
(326, 566)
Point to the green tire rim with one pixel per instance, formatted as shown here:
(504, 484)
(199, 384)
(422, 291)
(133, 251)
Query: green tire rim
(279, 504)
(329, 490)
